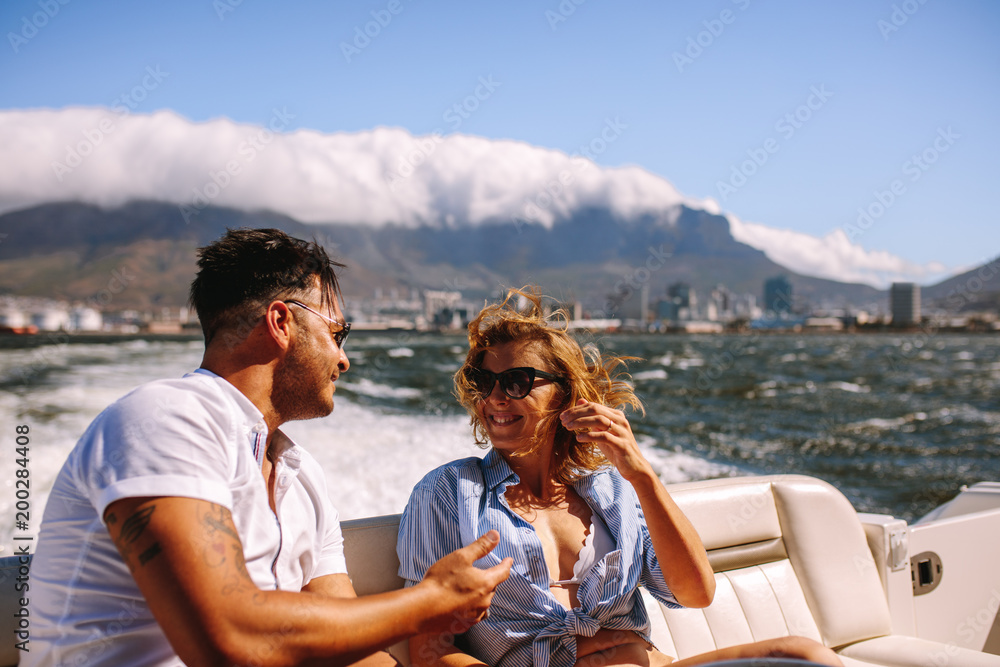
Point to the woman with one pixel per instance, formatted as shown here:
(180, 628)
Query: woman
(578, 508)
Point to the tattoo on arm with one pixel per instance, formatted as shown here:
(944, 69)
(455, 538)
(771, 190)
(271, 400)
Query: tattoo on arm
(149, 553)
(132, 529)
(135, 524)
(224, 539)
(217, 523)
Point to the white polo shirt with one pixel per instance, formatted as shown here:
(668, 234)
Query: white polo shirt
(195, 437)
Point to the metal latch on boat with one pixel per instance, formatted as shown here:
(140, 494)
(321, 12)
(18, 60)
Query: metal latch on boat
(926, 571)
(899, 548)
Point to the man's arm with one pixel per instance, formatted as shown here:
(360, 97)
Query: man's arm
(332, 586)
(340, 586)
(187, 560)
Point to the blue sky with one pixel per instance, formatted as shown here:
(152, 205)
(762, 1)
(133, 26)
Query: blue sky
(790, 115)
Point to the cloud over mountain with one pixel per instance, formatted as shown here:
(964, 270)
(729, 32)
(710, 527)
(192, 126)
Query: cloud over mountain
(386, 175)
(832, 256)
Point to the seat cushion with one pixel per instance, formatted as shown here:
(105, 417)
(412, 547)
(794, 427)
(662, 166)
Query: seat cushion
(751, 603)
(902, 651)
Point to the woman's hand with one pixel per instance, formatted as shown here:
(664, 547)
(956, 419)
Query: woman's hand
(678, 548)
(610, 431)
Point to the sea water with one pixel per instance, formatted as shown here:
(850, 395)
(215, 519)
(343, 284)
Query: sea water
(897, 422)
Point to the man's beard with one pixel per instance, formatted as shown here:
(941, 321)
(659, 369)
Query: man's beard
(301, 383)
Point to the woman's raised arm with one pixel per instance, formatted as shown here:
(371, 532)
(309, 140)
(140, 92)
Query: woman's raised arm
(678, 548)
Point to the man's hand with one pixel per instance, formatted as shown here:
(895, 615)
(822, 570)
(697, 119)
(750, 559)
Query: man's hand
(461, 591)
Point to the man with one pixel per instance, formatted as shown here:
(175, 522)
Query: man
(186, 528)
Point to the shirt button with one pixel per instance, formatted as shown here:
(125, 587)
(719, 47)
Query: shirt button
(283, 480)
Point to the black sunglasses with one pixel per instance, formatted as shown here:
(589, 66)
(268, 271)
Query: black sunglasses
(515, 382)
(339, 335)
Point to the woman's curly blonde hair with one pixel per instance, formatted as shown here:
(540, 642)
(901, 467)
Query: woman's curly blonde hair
(588, 375)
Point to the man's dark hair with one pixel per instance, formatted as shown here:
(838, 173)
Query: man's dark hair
(246, 269)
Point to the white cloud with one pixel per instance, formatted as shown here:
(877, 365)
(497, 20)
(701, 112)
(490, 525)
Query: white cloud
(374, 177)
(833, 256)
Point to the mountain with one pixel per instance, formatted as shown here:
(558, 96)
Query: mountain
(142, 255)
(974, 290)
(376, 177)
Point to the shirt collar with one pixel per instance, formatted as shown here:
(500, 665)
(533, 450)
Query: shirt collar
(252, 415)
(255, 426)
(285, 449)
(496, 471)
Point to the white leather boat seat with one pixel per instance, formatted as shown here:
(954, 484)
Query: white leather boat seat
(790, 556)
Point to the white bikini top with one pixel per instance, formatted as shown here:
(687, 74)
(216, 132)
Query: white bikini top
(598, 544)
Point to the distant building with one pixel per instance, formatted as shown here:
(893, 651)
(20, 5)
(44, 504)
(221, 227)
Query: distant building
(904, 303)
(85, 319)
(778, 295)
(50, 319)
(746, 306)
(444, 309)
(683, 300)
(721, 304)
(666, 309)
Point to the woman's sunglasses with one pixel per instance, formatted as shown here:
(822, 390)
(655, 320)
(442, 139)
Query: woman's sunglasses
(515, 382)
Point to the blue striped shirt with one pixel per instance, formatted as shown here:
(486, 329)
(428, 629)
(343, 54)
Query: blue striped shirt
(457, 503)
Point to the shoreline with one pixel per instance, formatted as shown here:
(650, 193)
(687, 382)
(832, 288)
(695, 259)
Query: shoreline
(42, 338)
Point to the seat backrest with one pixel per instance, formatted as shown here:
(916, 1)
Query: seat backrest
(790, 556)
(370, 550)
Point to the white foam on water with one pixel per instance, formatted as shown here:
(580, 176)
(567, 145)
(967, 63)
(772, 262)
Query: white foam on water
(850, 387)
(81, 381)
(945, 415)
(655, 374)
(377, 390)
(400, 352)
(878, 424)
(373, 460)
(675, 467)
